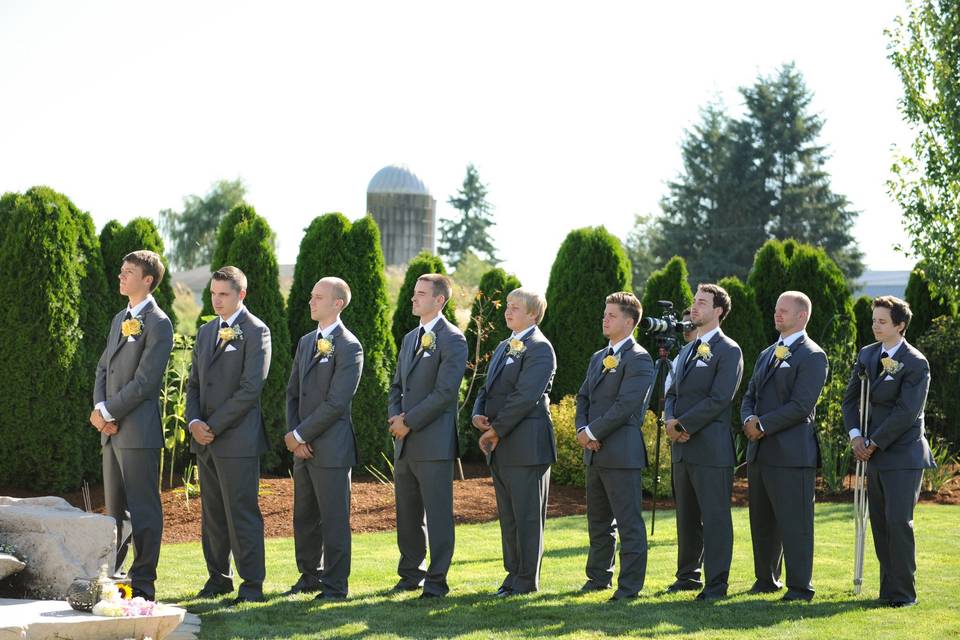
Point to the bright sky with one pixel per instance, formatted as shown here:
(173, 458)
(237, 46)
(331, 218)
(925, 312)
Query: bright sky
(572, 112)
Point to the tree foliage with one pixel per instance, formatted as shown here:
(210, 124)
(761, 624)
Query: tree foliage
(471, 231)
(192, 231)
(403, 319)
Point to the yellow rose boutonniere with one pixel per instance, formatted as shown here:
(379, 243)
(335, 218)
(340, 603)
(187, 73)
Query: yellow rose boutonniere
(703, 352)
(228, 335)
(131, 327)
(610, 363)
(429, 341)
(782, 352)
(324, 348)
(516, 348)
(890, 366)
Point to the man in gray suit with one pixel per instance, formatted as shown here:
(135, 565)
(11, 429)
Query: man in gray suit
(127, 415)
(778, 415)
(231, 359)
(610, 411)
(697, 413)
(513, 412)
(894, 446)
(325, 375)
(423, 422)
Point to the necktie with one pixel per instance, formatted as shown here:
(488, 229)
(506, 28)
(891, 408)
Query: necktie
(883, 355)
(126, 316)
(420, 333)
(223, 325)
(773, 357)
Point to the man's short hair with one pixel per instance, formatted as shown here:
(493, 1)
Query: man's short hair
(340, 288)
(802, 300)
(533, 301)
(150, 263)
(442, 285)
(236, 278)
(628, 304)
(720, 298)
(899, 310)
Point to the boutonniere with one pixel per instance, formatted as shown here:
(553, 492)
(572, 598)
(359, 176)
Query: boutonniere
(429, 341)
(782, 352)
(516, 348)
(324, 348)
(703, 352)
(891, 367)
(228, 335)
(132, 327)
(610, 363)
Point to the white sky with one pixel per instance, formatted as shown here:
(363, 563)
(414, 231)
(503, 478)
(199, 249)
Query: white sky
(572, 112)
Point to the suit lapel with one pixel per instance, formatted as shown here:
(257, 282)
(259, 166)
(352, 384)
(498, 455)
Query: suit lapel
(496, 363)
(626, 346)
(767, 369)
(113, 338)
(437, 330)
(874, 365)
(684, 357)
(311, 356)
(223, 347)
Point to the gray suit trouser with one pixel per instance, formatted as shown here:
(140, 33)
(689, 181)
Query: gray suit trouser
(131, 491)
(321, 525)
(522, 508)
(892, 495)
(704, 524)
(781, 525)
(231, 521)
(614, 504)
(424, 494)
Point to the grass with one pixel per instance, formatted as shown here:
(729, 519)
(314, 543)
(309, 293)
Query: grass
(560, 611)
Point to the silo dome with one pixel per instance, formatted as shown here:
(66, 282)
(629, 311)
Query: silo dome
(397, 178)
(403, 208)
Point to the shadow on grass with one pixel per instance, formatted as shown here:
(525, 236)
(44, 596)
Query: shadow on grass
(541, 615)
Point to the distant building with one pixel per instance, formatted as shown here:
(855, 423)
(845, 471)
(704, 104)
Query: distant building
(404, 210)
(882, 283)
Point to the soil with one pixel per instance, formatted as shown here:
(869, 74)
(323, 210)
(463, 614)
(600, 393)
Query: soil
(373, 503)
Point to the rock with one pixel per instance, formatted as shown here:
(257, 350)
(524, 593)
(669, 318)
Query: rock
(58, 542)
(55, 620)
(9, 565)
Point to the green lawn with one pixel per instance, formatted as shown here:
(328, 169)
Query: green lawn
(559, 610)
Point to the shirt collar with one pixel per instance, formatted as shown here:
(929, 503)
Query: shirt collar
(524, 333)
(135, 311)
(430, 325)
(233, 318)
(325, 332)
(892, 350)
(793, 337)
(709, 334)
(616, 347)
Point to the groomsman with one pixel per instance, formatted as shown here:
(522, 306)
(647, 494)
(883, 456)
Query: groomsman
(610, 411)
(778, 415)
(697, 412)
(894, 446)
(513, 413)
(126, 412)
(231, 359)
(423, 422)
(325, 375)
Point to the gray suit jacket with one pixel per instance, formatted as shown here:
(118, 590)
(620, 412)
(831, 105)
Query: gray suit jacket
(319, 397)
(612, 405)
(896, 408)
(224, 387)
(785, 399)
(129, 378)
(515, 396)
(426, 386)
(700, 397)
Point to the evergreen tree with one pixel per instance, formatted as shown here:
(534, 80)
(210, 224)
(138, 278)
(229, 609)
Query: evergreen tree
(486, 330)
(768, 279)
(590, 265)
(403, 319)
(225, 234)
(926, 302)
(470, 232)
(53, 325)
(669, 283)
(251, 251)
(863, 313)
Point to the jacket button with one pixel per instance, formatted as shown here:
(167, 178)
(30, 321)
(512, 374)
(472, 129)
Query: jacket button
(209, 384)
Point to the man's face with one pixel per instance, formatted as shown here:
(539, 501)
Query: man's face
(225, 299)
(424, 303)
(323, 304)
(132, 280)
(616, 323)
(787, 317)
(516, 314)
(883, 328)
(703, 312)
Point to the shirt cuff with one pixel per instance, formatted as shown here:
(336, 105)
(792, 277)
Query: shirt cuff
(102, 408)
(680, 428)
(749, 418)
(589, 433)
(296, 435)
(854, 433)
(760, 427)
(192, 421)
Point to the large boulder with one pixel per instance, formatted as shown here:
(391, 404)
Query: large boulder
(58, 542)
(10, 565)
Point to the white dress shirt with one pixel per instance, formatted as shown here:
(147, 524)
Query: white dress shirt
(134, 312)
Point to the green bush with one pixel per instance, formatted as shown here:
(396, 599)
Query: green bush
(863, 313)
(568, 470)
(251, 251)
(665, 486)
(54, 320)
(225, 234)
(116, 241)
(669, 283)
(590, 265)
(767, 279)
(925, 304)
(403, 320)
(488, 324)
(941, 346)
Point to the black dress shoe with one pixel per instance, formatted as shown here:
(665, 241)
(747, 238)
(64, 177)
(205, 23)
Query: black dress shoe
(249, 598)
(299, 588)
(589, 585)
(683, 585)
(212, 592)
(796, 596)
(706, 596)
(323, 595)
(763, 588)
(405, 586)
(503, 591)
(426, 594)
(898, 604)
(622, 595)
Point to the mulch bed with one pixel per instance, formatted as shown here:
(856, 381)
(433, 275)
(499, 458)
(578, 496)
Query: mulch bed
(373, 503)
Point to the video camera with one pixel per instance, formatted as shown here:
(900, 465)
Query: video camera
(667, 323)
